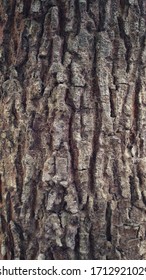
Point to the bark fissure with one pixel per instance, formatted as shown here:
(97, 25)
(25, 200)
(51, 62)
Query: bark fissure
(26, 7)
(97, 121)
(108, 222)
(127, 42)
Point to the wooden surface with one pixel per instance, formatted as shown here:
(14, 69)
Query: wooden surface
(73, 129)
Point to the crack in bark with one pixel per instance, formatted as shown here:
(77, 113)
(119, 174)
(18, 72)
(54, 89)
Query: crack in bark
(19, 167)
(97, 123)
(108, 222)
(26, 7)
(112, 102)
(10, 10)
(137, 105)
(127, 42)
(1, 191)
(77, 20)
(134, 196)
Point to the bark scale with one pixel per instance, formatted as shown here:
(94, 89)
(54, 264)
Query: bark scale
(72, 129)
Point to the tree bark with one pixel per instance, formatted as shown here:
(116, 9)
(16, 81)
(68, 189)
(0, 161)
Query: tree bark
(73, 129)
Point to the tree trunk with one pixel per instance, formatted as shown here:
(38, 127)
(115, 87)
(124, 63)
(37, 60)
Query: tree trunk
(73, 129)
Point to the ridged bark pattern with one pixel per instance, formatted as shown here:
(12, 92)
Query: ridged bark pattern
(73, 129)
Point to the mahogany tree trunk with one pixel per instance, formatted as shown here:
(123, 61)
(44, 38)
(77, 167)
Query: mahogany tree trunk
(72, 129)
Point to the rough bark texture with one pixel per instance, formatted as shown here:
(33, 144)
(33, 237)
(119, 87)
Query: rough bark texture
(73, 129)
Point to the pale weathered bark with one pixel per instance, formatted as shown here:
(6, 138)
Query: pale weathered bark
(73, 129)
